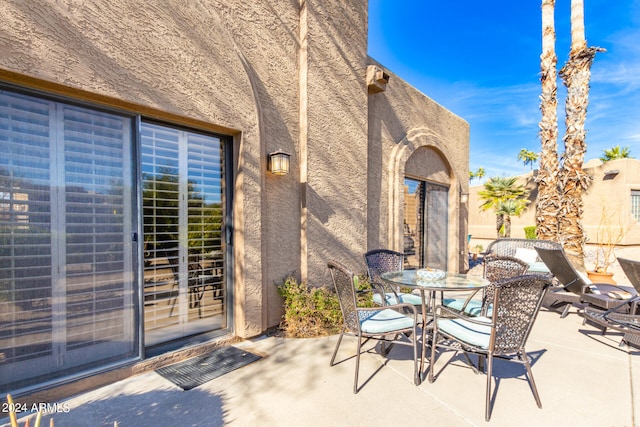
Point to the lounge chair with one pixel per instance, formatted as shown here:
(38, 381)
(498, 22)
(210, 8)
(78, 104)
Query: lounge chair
(574, 289)
(398, 321)
(516, 302)
(631, 269)
(628, 324)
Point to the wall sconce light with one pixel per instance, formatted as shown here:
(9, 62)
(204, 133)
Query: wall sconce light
(278, 163)
(464, 197)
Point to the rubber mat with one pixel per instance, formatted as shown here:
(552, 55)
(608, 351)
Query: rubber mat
(198, 370)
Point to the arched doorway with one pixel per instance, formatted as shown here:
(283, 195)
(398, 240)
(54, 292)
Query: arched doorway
(426, 210)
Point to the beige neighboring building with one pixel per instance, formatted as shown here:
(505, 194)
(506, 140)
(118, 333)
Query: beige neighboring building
(614, 194)
(138, 213)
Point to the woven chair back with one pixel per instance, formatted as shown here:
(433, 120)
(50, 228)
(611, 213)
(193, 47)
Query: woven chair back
(503, 267)
(346, 291)
(380, 261)
(509, 246)
(497, 268)
(516, 304)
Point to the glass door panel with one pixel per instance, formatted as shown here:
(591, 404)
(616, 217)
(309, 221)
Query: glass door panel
(425, 224)
(66, 255)
(185, 290)
(436, 208)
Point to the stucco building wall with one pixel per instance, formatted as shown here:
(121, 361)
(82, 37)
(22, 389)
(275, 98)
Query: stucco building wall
(274, 75)
(609, 194)
(412, 135)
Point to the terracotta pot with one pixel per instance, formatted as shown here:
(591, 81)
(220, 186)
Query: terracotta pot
(596, 277)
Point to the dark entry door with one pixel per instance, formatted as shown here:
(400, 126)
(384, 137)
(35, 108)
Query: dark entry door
(426, 224)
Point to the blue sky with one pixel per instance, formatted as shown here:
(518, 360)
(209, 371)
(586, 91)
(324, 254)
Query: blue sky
(482, 61)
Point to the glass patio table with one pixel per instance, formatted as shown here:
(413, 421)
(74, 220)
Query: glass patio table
(428, 290)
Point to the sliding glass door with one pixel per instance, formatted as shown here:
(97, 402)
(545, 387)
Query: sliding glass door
(67, 299)
(71, 296)
(184, 203)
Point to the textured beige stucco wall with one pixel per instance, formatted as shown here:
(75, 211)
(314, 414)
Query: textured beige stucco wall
(612, 192)
(208, 64)
(335, 187)
(267, 35)
(274, 74)
(410, 134)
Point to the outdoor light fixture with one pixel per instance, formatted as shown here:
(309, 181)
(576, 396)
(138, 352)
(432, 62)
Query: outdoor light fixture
(464, 197)
(278, 163)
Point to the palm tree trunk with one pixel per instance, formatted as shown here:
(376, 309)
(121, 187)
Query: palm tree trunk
(548, 200)
(507, 226)
(499, 224)
(575, 74)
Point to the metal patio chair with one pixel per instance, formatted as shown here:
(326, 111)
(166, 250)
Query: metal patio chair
(395, 324)
(512, 246)
(381, 261)
(573, 289)
(516, 303)
(496, 268)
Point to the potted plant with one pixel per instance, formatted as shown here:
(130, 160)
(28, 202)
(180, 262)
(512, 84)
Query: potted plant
(607, 238)
(476, 251)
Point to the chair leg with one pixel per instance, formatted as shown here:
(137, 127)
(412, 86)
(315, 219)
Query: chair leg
(335, 352)
(480, 367)
(525, 359)
(432, 360)
(355, 380)
(487, 409)
(417, 375)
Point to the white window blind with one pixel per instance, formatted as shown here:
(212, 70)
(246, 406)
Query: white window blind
(183, 199)
(66, 264)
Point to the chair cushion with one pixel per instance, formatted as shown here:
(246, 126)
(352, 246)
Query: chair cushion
(473, 308)
(538, 267)
(471, 333)
(383, 321)
(527, 255)
(404, 298)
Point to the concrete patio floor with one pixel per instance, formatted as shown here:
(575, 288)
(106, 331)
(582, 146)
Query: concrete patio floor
(583, 378)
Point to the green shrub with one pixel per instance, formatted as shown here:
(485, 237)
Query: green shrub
(530, 232)
(314, 311)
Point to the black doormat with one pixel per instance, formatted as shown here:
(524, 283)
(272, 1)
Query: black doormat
(198, 370)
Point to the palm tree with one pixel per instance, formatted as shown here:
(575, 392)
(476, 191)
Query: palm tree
(528, 157)
(498, 190)
(616, 152)
(548, 200)
(509, 208)
(575, 74)
(477, 174)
